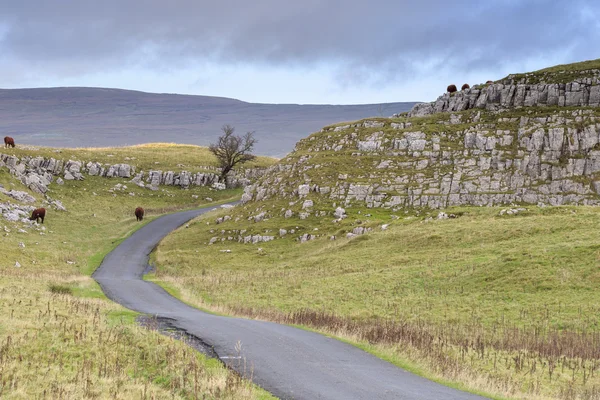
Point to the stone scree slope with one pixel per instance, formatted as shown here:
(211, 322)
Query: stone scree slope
(38, 172)
(554, 159)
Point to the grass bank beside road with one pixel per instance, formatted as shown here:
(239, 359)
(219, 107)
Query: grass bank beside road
(500, 304)
(59, 336)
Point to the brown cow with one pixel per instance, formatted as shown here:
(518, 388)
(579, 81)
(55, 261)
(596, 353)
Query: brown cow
(465, 86)
(37, 214)
(451, 88)
(9, 142)
(139, 213)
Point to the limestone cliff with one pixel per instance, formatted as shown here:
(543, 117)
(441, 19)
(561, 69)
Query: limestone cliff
(528, 138)
(514, 92)
(468, 158)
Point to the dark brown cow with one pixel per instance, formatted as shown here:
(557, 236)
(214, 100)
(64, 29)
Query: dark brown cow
(489, 82)
(465, 86)
(139, 213)
(37, 214)
(9, 142)
(451, 88)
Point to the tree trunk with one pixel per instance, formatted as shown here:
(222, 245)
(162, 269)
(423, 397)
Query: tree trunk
(224, 173)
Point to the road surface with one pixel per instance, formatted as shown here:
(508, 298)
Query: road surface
(288, 362)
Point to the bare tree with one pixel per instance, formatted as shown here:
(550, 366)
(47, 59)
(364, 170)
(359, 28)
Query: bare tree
(232, 150)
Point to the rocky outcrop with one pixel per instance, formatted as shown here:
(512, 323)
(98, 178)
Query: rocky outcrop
(508, 94)
(23, 197)
(552, 159)
(38, 172)
(16, 213)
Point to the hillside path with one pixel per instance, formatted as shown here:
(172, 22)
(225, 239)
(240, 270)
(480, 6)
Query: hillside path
(290, 363)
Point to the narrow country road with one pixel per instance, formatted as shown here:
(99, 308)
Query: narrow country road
(288, 362)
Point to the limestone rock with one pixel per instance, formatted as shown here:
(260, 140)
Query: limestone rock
(306, 237)
(307, 204)
(507, 94)
(340, 213)
(58, 205)
(23, 197)
(303, 190)
(259, 217)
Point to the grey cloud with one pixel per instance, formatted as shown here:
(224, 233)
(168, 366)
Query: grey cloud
(390, 36)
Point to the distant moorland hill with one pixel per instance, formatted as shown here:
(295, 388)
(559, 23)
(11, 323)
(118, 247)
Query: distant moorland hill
(92, 117)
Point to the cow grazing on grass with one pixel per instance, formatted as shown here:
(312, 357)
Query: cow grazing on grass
(489, 82)
(139, 213)
(9, 142)
(37, 214)
(465, 86)
(451, 88)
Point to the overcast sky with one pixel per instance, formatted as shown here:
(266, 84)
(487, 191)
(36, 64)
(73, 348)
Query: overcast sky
(284, 51)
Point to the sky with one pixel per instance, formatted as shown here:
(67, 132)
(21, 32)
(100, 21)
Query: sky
(277, 51)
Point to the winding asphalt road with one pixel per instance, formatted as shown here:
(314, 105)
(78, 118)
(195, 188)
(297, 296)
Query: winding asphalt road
(288, 362)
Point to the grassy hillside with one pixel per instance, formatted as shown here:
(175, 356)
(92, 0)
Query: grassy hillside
(146, 157)
(505, 303)
(60, 337)
(500, 300)
(472, 157)
(559, 73)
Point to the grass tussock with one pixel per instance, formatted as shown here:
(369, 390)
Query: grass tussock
(58, 288)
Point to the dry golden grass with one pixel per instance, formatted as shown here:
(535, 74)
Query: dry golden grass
(57, 345)
(59, 336)
(150, 156)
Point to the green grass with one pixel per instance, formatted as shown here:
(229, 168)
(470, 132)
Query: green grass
(578, 66)
(151, 156)
(480, 275)
(59, 319)
(122, 317)
(503, 265)
(563, 73)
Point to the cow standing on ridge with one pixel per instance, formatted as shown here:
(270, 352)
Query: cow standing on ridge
(9, 142)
